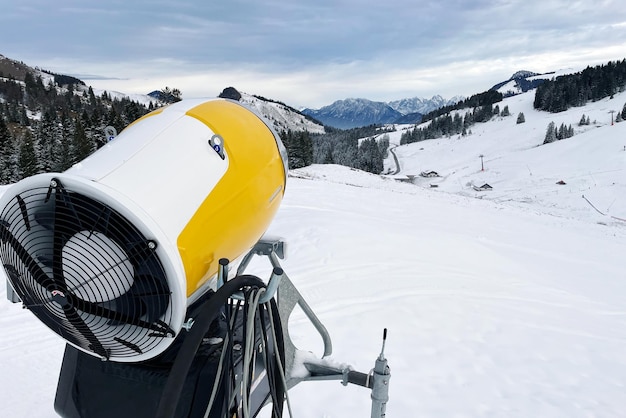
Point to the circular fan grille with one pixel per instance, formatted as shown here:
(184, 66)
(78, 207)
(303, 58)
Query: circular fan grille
(85, 271)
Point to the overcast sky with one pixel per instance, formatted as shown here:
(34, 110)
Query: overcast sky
(310, 52)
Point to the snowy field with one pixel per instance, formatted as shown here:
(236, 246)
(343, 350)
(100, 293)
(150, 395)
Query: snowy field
(508, 303)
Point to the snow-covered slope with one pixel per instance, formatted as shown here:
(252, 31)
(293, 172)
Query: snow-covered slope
(507, 303)
(524, 81)
(282, 117)
(492, 310)
(144, 99)
(525, 173)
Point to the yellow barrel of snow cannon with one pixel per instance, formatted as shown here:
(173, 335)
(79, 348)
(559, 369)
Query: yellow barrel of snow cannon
(109, 253)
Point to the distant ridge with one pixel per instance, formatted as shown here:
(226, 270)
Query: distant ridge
(352, 113)
(283, 117)
(520, 82)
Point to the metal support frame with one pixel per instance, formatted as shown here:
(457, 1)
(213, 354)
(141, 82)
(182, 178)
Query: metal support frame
(288, 297)
(377, 379)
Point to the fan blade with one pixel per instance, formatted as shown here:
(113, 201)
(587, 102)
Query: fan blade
(95, 309)
(29, 262)
(78, 323)
(58, 239)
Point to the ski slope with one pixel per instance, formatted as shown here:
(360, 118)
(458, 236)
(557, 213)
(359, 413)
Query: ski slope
(509, 303)
(521, 170)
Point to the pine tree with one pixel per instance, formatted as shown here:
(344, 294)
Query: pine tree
(370, 157)
(299, 148)
(27, 164)
(551, 133)
(307, 148)
(170, 95)
(46, 136)
(383, 146)
(63, 152)
(82, 146)
(92, 97)
(345, 151)
(505, 111)
(561, 133)
(521, 118)
(7, 154)
(24, 121)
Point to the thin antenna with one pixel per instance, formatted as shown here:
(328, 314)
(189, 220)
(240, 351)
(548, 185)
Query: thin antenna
(382, 351)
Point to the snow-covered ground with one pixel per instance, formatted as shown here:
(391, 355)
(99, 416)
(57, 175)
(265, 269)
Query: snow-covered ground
(509, 303)
(525, 173)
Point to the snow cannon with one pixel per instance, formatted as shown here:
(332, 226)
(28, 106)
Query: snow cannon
(111, 253)
(140, 257)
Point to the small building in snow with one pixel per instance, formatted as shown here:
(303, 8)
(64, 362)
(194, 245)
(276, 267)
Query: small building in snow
(484, 188)
(430, 173)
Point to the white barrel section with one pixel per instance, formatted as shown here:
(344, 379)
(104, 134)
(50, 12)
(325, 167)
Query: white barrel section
(110, 253)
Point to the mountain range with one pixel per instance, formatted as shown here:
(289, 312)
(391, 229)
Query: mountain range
(352, 113)
(342, 114)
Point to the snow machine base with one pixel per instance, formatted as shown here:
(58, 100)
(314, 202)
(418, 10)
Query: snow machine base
(91, 388)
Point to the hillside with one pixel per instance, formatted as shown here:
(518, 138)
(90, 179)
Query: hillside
(48, 122)
(525, 173)
(501, 303)
(11, 70)
(493, 308)
(282, 117)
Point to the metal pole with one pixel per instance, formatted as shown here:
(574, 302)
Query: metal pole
(380, 386)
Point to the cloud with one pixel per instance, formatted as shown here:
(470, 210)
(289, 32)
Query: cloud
(312, 52)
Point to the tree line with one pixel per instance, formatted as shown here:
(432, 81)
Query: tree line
(364, 148)
(591, 84)
(556, 134)
(444, 123)
(448, 124)
(486, 98)
(46, 128)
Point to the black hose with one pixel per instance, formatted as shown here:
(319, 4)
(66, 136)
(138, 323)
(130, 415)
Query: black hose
(208, 312)
(277, 388)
